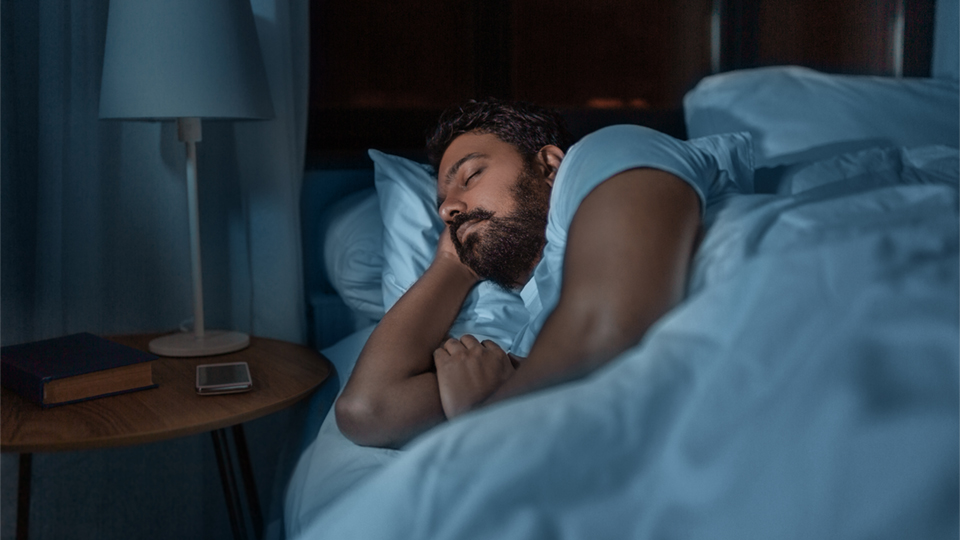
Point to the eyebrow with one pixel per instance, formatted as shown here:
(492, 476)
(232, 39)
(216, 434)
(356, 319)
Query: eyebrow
(447, 178)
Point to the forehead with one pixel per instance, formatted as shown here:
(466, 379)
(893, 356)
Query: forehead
(475, 145)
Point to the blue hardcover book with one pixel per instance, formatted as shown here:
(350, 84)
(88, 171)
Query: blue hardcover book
(74, 368)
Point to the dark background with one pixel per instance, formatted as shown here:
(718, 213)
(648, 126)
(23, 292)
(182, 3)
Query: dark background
(381, 71)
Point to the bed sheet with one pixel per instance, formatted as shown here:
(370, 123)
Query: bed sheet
(331, 464)
(806, 388)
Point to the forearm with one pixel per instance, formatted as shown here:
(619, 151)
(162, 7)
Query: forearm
(392, 394)
(415, 326)
(395, 416)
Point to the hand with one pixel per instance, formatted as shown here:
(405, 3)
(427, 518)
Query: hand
(445, 245)
(447, 255)
(468, 372)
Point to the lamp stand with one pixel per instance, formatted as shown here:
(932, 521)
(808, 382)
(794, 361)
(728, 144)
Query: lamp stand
(200, 342)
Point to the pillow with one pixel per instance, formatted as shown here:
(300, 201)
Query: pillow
(411, 228)
(353, 252)
(797, 114)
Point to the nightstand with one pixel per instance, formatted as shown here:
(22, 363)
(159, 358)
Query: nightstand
(283, 374)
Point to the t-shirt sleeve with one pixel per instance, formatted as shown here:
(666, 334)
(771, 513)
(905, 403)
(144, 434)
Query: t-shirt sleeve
(711, 165)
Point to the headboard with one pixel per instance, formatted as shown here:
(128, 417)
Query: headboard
(617, 61)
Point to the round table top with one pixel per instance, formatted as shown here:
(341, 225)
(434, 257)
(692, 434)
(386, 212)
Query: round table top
(283, 373)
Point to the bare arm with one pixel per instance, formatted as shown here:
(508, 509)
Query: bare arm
(628, 250)
(393, 394)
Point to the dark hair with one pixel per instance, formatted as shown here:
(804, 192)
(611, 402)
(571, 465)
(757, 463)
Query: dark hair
(526, 126)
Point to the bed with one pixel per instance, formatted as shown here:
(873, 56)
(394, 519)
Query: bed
(806, 387)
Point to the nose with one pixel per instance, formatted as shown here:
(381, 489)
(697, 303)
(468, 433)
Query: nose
(450, 207)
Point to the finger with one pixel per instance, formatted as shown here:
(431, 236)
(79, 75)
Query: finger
(469, 341)
(453, 345)
(492, 345)
(440, 355)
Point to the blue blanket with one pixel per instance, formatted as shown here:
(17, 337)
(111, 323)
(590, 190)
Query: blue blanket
(806, 388)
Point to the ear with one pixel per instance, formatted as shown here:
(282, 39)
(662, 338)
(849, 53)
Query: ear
(549, 158)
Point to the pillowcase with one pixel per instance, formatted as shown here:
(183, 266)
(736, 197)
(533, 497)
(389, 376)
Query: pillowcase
(411, 228)
(353, 253)
(796, 114)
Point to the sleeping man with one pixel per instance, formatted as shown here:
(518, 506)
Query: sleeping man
(598, 237)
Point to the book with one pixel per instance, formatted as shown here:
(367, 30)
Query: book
(74, 368)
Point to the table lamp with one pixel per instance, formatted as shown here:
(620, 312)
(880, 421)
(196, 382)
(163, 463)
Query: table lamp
(185, 60)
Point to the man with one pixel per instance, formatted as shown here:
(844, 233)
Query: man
(610, 234)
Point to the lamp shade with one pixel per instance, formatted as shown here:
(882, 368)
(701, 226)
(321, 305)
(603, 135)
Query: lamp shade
(183, 58)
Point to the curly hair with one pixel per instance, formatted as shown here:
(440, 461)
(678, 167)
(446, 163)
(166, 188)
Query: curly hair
(526, 126)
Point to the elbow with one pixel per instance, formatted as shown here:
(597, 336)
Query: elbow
(605, 338)
(357, 419)
(603, 333)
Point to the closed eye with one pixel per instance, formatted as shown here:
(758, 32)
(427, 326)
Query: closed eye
(472, 176)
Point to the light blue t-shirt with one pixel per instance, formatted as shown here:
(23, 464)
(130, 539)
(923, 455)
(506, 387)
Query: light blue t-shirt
(714, 166)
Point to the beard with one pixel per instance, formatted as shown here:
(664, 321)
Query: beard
(510, 246)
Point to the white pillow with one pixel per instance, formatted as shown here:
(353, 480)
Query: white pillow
(353, 253)
(797, 114)
(411, 228)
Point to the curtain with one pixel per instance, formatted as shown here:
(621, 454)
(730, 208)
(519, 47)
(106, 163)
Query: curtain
(94, 230)
(93, 236)
(946, 51)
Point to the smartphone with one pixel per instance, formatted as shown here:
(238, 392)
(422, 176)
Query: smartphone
(229, 378)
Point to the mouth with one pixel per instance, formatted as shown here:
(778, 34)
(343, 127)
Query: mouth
(464, 230)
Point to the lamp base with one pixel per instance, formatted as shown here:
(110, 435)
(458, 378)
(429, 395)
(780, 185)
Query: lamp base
(186, 344)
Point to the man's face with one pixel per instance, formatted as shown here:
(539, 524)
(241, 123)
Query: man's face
(496, 206)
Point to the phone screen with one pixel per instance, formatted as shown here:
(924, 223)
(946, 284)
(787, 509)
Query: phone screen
(223, 378)
(223, 374)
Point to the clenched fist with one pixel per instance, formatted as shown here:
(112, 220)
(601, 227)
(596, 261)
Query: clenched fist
(468, 372)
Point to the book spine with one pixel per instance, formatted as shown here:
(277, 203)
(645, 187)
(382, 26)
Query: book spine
(98, 396)
(21, 382)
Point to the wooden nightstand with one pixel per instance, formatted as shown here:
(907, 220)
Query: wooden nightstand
(283, 374)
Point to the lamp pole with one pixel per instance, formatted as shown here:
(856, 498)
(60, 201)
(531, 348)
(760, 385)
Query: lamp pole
(200, 342)
(189, 132)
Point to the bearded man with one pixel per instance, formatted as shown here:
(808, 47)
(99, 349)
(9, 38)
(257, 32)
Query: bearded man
(603, 235)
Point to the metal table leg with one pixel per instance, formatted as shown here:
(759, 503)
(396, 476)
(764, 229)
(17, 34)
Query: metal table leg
(23, 496)
(246, 470)
(231, 484)
(228, 477)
